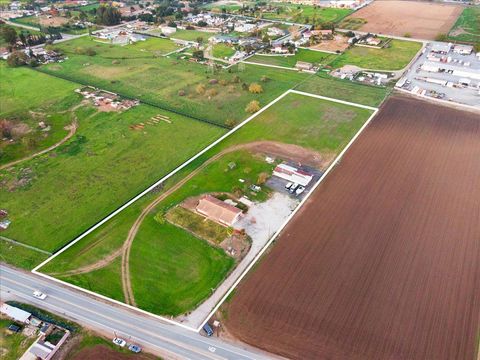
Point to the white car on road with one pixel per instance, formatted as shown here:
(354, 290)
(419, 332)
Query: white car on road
(119, 342)
(39, 295)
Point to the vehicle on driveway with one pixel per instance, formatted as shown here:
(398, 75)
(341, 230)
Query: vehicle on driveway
(120, 342)
(39, 295)
(208, 329)
(299, 190)
(293, 188)
(288, 186)
(135, 348)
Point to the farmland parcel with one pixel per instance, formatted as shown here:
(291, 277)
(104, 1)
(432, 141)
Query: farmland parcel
(112, 157)
(189, 88)
(170, 271)
(419, 20)
(383, 262)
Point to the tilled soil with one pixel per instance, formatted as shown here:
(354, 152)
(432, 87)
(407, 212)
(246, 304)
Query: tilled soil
(421, 20)
(383, 261)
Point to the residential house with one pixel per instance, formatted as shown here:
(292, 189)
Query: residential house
(218, 211)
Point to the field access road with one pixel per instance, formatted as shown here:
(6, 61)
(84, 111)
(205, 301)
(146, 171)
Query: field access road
(169, 340)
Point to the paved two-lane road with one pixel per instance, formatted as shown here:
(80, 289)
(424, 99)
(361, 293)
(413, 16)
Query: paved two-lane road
(170, 340)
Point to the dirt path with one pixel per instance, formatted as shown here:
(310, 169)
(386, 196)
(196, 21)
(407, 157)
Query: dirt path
(72, 130)
(290, 151)
(92, 267)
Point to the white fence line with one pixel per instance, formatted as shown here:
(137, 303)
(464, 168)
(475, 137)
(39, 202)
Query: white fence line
(272, 239)
(186, 163)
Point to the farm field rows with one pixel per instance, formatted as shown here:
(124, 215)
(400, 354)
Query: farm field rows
(291, 121)
(315, 57)
(421, 20)
(383, 260)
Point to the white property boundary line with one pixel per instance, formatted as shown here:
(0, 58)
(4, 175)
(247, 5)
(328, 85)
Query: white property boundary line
(257, 257)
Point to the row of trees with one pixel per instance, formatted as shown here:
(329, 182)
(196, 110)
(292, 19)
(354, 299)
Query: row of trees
(11, 37)
(108, 15)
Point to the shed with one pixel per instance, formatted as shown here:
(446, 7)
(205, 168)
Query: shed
(15, 313)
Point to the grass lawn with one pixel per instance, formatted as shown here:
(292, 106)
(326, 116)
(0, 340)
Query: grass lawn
(326, 85)
(306, 14)
(192, 35)
(315, 57)
(467, 26)
(395, 56)
(12, 346)
(26, 99)
(159, 80)
(54, 197)
(197, 224)
(160, 284)
(20, 256)
(221, 51)
(178, 272)
(154, 45)
(28, 20)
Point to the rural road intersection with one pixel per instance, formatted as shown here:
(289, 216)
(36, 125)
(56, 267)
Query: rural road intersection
(170, 340)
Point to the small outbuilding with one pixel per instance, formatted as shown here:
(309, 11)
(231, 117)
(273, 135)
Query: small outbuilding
(292, 174)
(16, 314)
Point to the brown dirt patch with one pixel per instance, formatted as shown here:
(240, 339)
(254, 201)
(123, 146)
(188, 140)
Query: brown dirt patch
(383, 261)
(422, 20)
(53, 21)
(338, 43)
(105, 353)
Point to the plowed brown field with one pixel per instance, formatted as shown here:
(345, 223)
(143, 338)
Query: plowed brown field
(383, 261)
(422, 20)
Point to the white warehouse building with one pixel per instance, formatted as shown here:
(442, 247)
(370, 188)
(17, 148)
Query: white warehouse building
(459, 71)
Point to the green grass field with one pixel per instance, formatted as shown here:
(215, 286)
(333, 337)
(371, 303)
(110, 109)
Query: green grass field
(322, 126)
(306, 14)
(27, 98)
(192, 35)
(12, 346)
(159, 80)
(467, 26)
(54, 197)
(221, 51)
(317, 58)
(326, 85)
(154, 45)
(395, 56)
